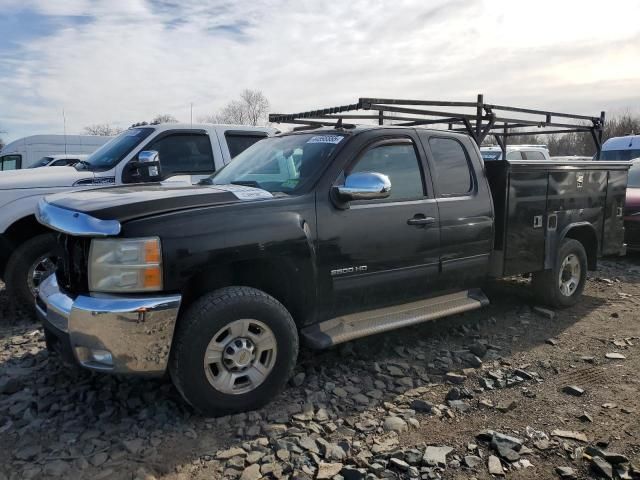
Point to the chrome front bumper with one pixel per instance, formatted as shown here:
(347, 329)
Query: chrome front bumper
(118, 334)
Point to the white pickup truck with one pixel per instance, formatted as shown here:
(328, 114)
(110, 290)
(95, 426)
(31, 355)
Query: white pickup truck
(187, 154)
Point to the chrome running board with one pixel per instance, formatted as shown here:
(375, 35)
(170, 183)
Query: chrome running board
(349, 327)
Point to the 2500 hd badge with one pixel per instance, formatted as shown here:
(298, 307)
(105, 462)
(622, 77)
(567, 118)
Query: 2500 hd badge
(340, 271)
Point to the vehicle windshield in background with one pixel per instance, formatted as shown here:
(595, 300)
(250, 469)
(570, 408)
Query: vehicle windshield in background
(286, 164)
(634, 176)
(43, 162)
(620, 155)
(110, 154)
(491, 155)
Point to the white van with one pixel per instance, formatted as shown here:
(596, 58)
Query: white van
(621, 148)
(28, 151)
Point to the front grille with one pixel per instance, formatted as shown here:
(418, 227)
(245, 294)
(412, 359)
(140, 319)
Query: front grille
(72, 268)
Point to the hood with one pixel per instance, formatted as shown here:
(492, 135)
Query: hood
(42, 177)
(134, 201)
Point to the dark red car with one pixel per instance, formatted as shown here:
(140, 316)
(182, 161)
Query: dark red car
(632, 208)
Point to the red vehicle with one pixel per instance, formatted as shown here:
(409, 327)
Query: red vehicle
(632, 208)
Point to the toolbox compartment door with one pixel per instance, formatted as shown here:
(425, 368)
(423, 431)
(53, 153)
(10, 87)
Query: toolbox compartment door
(613, 226)
(525, 231)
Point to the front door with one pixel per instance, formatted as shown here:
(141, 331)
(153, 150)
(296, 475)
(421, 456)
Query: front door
(380, 252)
(184, 156)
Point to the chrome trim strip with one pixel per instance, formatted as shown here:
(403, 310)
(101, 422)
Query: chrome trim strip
(74, 223)
(58, 304)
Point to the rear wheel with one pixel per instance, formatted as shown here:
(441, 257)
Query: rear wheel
(563, 285)
(27, 267)
(234, 350)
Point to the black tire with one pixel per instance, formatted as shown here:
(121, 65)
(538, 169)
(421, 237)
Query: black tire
(198, 326)
(546, 284)
(17, 272)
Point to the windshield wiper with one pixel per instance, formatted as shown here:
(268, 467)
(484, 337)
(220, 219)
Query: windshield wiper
(246, 183)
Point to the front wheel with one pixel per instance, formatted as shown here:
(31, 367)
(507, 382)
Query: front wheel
(234, 350)
(27, 267)
(563, 285)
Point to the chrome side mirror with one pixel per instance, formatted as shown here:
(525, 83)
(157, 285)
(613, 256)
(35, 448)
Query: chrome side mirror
(364, 186)
(147, 166)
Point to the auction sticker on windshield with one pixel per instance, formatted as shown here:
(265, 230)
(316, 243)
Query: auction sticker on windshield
(326, 139)
(245, 193)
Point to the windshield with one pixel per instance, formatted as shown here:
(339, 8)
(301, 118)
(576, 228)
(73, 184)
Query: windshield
(110, 154)
(43, 162)
(634, 176)
(286, 164)
(620, 155)
(491, 155)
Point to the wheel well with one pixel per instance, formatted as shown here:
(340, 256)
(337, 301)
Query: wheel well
(20, 231)
(587, 237)
(280, 280)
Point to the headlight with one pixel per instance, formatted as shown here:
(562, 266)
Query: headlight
(125, 265)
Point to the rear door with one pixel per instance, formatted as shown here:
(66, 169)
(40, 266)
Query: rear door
(380, 252)
(465, 209)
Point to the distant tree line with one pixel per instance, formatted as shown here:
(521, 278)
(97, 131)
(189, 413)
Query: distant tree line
(251, 108)
(580, 143)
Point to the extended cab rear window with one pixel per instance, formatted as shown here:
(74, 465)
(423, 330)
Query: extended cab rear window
(452, 167)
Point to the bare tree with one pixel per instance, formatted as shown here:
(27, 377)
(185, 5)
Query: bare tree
(164, 118)
(582, 143)
(256, 106)
(575, 143)
(102, 129)
(250, 109)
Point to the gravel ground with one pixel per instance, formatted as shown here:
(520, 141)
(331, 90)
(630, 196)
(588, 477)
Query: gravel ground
(512, 390)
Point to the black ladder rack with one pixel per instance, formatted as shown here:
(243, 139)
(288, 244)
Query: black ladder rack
(478, 119)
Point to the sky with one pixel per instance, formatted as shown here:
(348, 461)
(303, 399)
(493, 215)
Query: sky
(124, 61)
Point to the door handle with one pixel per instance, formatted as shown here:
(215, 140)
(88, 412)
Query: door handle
(421, 221)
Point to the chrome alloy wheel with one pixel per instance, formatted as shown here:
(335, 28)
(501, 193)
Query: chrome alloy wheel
(39, 270)
(569, 276)
(240, 356)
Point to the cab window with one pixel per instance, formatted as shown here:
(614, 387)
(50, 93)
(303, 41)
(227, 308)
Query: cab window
(452, 167)
(534, 155)
(11, 162)
(184, 153)
(401, 164)
(238, 142)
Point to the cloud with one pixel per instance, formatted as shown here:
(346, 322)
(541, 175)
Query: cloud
(125, 61)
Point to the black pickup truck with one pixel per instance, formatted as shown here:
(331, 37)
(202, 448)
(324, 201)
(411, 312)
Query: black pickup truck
(325, 235)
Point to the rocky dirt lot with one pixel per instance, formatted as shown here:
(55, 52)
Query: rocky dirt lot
(512, 390)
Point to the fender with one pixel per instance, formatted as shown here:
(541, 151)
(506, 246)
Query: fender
(242, 242)
(554, 239)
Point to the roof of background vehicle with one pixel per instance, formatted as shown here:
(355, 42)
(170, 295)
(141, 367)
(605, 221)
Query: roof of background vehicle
(56, 140)
(495, 148)
(205, 126)
(627, 142)
(80, 156)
